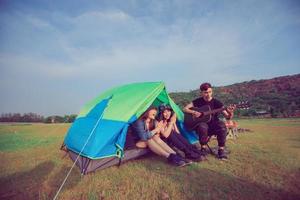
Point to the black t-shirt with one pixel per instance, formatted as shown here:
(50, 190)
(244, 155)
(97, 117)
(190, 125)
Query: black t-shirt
(214, 104)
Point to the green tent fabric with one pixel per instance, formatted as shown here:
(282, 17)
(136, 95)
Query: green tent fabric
(99, 130)
(132, 99)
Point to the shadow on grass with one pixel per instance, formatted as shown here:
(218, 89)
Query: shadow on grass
(203, 183)
(25, 185)
(208, 184)
(294, 142)
(31, 184)
(57, 179)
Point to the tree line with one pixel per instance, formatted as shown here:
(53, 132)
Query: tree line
(36, 118)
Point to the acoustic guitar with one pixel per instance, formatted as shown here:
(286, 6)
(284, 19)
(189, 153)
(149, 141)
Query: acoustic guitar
(191, 122)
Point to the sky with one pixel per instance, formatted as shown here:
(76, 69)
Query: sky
(55, 56)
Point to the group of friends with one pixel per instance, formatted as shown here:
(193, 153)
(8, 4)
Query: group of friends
(157, 130)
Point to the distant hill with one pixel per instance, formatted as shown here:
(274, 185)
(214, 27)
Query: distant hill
(276, 97)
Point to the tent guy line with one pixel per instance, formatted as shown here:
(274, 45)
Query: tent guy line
(78, 157)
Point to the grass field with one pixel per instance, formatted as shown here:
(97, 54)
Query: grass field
(263, 164)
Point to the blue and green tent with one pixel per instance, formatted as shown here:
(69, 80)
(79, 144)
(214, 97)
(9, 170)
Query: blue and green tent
(98, 135)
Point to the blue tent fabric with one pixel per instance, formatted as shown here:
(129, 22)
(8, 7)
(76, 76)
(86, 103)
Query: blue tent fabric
(104, 141)
(107, 137)
(191, 136)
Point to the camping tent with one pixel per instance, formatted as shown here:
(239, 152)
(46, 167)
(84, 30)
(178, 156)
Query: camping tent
(99, 132)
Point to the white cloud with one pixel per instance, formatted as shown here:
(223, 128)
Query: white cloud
(37, 22)
(97, 16)
(106, 47)
(207, 48)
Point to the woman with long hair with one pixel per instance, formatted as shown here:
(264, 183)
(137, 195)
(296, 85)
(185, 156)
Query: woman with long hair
(170, 132)
(147, 128)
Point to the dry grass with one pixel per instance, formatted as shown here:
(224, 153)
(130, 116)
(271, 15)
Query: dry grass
(263, 164)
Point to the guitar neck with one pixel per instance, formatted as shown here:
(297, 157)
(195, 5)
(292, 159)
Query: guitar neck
(214, 111)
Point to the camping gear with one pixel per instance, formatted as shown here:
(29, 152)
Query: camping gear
(101, 137)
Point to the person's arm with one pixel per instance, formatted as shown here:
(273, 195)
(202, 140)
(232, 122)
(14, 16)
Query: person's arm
(139, 128)
(176, 128)
(187, 109)
(228, 113)
(167, 131)
(157, 129)
(175, 125)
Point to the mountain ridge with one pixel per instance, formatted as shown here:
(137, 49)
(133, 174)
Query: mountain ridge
(278, 96)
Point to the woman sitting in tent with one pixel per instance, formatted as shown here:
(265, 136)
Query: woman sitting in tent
(172, 136)
(147, 128)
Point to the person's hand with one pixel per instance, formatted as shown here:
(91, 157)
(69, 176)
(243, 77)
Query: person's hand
(160, 125)
(231, 108)
(173, 118)
(197, 114)
(165, 124)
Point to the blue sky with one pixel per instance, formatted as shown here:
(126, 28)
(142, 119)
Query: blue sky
(57, 55)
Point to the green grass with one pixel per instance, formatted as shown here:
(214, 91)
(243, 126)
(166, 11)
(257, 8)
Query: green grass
(263, 164)
(20, 141)
(16, 137)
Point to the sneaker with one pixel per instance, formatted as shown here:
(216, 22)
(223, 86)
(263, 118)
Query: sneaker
(200, 158)
(188, 161)
(198, 151)
(222, 154)
(195, 157)
(180, 158)
(204, 151)
(195, 150)
(176, 160)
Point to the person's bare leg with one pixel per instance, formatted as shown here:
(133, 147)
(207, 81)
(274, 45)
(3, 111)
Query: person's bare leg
(163, 145)
(156, 148)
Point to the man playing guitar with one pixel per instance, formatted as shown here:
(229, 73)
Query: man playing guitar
(214, 126)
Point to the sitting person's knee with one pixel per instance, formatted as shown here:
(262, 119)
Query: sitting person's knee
(156, 138)
(202, 129)
(141, 144)
(221, 125)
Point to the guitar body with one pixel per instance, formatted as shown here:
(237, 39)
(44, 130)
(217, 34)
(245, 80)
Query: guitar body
(190, 121)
